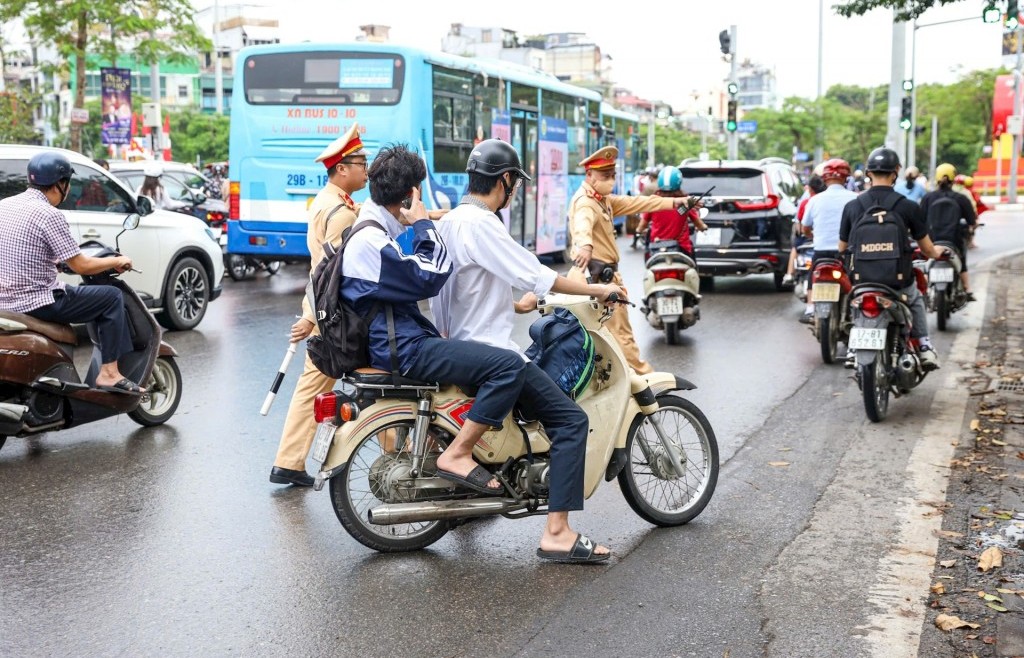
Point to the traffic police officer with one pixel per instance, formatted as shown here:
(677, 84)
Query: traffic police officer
(591, 213)
(330, 213)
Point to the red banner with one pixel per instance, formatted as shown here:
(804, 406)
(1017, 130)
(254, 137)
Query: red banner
(1002, 104)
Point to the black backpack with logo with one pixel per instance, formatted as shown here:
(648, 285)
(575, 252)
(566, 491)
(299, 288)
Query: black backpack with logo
(944, 215)
(878, 241)
(343, 344)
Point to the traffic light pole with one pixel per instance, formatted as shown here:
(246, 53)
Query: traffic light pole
(1011, 194)
(733, 144)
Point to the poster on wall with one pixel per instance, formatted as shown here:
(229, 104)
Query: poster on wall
(552, 185)
(501, 128)
(116, 91)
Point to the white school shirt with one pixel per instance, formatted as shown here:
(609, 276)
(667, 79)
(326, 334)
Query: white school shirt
(476, 302)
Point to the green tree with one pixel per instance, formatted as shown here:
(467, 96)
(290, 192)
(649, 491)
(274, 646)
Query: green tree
(964, 113)
(673, 145)
(194, 134)
(71, 26)
(905, 9)
(16, 120)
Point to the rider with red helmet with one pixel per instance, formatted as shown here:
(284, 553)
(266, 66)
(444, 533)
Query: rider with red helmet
(823, 215)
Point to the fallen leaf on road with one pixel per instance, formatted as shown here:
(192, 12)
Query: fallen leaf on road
(988, 639)
(989, 597)
(975, 424)
(949, 622)
(947, 533)
(947, 563)
(996, 607)
(990, 558)
(997, 442)
(778, 463)
(784, 449)
(938, 588)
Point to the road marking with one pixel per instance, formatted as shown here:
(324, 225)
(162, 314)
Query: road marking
(900, 594)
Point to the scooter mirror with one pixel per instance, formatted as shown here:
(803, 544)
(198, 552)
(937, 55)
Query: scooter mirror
(703, 212)
(131, 222)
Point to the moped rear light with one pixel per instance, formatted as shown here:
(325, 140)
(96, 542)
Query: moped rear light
(214, 216)
(326, 407)
(679, 274)
(871, 305)
(234, 199)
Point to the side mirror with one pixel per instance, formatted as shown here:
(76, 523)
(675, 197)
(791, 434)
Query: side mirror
(131, 222)
(144, 204)
(703, 212)
(198, 198)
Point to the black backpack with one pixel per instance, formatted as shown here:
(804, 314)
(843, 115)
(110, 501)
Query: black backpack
(343, 344)
(944, 215)
(564, 350)
(878, 244)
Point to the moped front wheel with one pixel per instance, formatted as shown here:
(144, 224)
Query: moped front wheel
(379, 472)
(874, 384)
(650, 482)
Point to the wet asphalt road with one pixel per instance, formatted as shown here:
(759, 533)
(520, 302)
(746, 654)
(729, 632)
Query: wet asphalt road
(119, 540)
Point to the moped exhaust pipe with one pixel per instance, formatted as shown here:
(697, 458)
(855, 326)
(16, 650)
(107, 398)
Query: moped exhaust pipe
(11, 417)
(908, 363)
(443, 510)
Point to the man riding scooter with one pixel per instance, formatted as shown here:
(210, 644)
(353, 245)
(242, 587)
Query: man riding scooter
(35, 238)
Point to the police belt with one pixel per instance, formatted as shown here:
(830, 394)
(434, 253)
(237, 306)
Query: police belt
(602, 272)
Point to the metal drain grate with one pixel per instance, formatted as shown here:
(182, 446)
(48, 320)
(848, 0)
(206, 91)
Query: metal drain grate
(1012, 387)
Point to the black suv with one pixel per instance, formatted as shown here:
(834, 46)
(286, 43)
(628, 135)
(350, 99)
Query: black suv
(751, 213)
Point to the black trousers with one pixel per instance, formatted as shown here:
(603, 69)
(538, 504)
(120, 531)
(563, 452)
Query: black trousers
(102, 305)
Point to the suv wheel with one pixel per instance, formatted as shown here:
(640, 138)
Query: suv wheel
(186, 295)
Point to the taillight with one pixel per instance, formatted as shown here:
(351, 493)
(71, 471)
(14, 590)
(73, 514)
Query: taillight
(214, 216)
(234, 199)
(679, 274)
(326, 407)
(771, 258)
(771, 201)
(871, 305)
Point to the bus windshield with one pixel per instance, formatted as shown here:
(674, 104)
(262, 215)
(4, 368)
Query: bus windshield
(324, 78)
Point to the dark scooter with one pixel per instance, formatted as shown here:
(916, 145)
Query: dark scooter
(40, 389)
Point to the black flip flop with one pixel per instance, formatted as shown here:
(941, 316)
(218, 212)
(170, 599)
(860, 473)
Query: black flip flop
(125, 386)
(582, 552)
(476, 480)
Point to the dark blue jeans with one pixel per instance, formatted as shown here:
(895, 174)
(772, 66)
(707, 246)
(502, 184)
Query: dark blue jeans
(496, 374)
(567, 426)
(102, 305)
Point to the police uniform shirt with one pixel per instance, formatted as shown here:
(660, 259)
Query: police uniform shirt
(591, 219)
(321, 231)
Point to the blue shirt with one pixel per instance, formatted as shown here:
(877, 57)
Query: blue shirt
(915, 193)
(824, 213)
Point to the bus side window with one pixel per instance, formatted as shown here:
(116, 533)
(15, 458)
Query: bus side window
(442, 118)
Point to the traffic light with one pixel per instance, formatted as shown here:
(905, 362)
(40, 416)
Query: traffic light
(724, 41)
(905, 113)
(991, 13)
(730, 120)
(1012, 21)
(733, 88)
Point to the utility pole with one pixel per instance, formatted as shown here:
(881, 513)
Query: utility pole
(912, 133)
(733, 137)
(218, 69)
(1018, 82)
(894, 137)
(650, 140)
(935, 146)
(819, 132)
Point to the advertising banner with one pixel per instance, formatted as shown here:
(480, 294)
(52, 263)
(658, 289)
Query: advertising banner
(116, 90)
(552, 185)
(1002, 104)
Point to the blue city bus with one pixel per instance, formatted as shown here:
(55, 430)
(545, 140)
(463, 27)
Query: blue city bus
(291, 101)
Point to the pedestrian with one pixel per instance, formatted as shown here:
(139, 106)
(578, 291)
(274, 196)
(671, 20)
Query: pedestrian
(594, 252)
(331, 212)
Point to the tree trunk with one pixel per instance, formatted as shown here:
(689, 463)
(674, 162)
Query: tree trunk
(80, 43)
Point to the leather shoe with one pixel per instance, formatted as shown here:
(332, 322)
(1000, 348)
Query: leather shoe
(280, 475)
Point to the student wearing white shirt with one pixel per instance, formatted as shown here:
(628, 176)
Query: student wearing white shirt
(477, 304)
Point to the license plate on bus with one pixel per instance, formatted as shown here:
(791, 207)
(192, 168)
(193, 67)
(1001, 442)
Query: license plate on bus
(712, 237)
(670, 306)
(825, 292)
(941, 275)
(322, 441)
(862, 338)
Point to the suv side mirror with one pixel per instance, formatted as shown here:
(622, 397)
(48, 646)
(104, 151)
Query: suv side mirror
(198, 198)
(703, 212)
(144, 204)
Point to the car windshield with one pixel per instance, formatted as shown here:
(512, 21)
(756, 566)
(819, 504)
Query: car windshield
(727, 182)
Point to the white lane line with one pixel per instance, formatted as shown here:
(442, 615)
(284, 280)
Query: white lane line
(904, 574)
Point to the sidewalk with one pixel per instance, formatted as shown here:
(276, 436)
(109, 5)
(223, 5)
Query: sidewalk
(984, 512)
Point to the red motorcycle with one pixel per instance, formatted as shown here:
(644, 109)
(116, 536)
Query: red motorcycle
(831, 294)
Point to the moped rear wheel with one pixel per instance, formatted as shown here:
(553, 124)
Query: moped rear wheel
(874, 384)
(164, 394)
(379, 461)
(649, 482)
(672, 333)
(828, 336)
(941, 309)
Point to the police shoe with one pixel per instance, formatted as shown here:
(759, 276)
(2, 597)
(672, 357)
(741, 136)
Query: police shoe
(280, 475)
(929, 361)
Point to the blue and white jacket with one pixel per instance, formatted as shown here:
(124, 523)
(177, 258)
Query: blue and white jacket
(376, 270)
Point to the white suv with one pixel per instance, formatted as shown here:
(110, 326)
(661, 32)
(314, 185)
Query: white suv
(180, 261)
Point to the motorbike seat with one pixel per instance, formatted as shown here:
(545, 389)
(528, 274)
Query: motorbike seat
(669, 257)
(60, 333)
(376, 378)
(664, 245)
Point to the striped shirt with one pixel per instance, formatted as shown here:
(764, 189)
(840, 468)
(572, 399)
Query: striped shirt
(34, 239)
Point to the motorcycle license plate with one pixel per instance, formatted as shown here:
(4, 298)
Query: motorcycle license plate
(670, 306)
(711, 237)
(862, 338)
(322, 441)
(941, 275)
(825, 292)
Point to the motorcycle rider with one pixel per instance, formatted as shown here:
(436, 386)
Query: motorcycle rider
(669, 224)
(912, 186)
(35, 238)
(377, 271)
(822, 216)
(883, 170)
(979, 206)
(591, 214)
(814, 186)
(947, 231)
(476, 304)
(331, 212)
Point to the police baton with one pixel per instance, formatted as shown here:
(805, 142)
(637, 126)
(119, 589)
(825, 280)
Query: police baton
(278, 379)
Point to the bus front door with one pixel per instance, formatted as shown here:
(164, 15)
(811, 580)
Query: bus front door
(523, 212)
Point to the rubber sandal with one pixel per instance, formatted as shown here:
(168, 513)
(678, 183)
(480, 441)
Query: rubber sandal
(582, 552)
(476, 480)
(125, 386)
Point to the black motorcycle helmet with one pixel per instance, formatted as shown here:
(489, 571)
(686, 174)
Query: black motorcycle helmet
(493, 157)
(883, 160)
(47, 168)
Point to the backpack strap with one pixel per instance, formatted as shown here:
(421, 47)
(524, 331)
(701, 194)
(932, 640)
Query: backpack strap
(392, 344)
